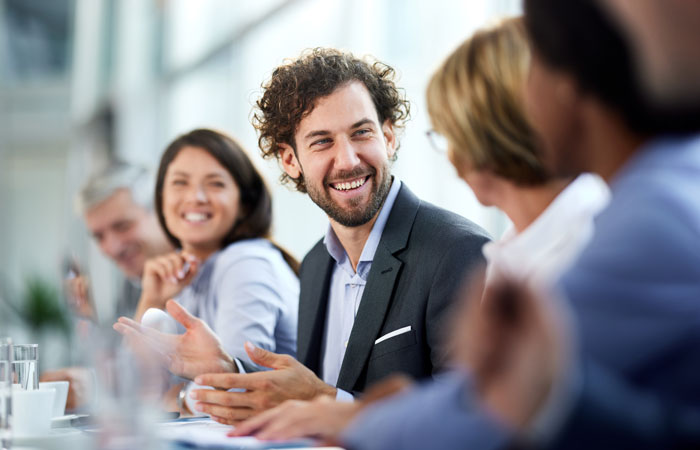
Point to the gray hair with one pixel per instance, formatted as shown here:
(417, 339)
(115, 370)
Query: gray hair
(138, 180)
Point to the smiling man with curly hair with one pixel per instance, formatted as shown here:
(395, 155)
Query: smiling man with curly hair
(375, 289)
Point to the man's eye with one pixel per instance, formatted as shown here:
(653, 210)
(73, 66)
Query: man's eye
(321, 142)
(179, 182)
(122, 226)
(363, 132)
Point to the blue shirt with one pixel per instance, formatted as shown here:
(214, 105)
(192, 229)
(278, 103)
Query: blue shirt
(636, 293)
(246, 292)
(635, 289)
(346, 289)
(439, 414)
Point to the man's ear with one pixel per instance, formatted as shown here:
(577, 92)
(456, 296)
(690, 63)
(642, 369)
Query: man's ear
(290, 164)
(389, 138)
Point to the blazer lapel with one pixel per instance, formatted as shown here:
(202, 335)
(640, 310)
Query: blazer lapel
(313, 304)
(377, 296)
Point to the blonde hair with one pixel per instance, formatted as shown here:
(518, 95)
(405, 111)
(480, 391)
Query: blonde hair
(475, 99)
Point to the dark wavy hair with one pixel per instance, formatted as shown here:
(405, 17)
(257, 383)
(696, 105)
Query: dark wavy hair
(255, 199)
(578, 37)
(292, 92)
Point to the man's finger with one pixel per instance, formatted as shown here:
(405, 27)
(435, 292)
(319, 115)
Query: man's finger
(122, 328)
(135, 336)
(180, 314)
(265, 358)
(128, 322)
(248, 381)
(223, 421)
(232, 414)
(281, 427)
(261, 421)
(256, 423)
(223, 398)
(151, 333)
(292, 420)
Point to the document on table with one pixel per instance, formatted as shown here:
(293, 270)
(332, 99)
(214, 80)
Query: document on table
(205, 433)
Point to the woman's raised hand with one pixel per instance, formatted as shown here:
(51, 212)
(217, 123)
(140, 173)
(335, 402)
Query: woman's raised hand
(163, 278)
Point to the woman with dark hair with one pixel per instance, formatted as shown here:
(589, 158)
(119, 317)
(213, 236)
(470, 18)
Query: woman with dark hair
(216, 210)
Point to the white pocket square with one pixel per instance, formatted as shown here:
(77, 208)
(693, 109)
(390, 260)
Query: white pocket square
(393, 334)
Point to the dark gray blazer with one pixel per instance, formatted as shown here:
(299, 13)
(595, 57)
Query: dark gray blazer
(420, 261)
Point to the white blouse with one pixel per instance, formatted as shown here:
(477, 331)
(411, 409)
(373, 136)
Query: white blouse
(542, 252)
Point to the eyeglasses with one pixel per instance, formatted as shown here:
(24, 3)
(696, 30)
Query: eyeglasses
(437, 141)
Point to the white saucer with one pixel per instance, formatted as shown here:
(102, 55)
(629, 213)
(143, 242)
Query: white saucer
(63, 421)
(54, 436)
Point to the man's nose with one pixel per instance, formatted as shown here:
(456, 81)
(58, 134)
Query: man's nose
(111, 245)
(346, 157)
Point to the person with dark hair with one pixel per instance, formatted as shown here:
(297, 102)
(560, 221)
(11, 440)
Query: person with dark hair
(290, 95)
(476, 106)
(635, 290)
(216, 210)
(375, 291)
(664, 34)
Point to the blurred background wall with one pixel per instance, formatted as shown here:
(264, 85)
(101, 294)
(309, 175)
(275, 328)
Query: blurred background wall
(82, 81)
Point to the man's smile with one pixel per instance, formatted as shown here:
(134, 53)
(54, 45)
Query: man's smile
(350, 184)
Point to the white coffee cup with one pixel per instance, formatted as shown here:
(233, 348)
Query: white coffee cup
(59, 401)
(159, 320)
(31, 411)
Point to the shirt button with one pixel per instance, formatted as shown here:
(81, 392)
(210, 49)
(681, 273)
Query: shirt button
(346, 344)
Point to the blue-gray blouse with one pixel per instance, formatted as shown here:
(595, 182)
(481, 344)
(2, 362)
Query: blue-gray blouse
(246, 292)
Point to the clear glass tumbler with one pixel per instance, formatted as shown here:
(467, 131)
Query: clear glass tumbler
(25, 362)
(5, 392)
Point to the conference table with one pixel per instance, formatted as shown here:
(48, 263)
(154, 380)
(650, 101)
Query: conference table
(189, 433)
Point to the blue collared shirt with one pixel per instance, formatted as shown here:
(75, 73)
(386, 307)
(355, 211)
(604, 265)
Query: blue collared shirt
(246, 292)
(346, 289)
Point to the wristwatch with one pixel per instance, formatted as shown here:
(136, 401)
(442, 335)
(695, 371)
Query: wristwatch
(181, 401)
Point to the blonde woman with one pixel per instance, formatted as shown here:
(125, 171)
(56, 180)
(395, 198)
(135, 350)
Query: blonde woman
(475, 102)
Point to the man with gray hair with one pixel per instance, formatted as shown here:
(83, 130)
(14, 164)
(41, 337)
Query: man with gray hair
(117, 205)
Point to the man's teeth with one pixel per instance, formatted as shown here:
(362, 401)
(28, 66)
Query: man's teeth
(349, 185)
(195, 217)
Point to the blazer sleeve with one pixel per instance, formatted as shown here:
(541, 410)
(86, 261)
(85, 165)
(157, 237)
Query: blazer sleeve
(454, 268)
(612, 414)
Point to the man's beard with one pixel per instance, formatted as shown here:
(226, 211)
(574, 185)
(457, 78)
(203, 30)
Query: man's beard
(356, 215)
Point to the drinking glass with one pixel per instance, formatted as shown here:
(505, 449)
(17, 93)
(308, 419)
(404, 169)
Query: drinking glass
(25, 365)
(5, 392)
(129, 388)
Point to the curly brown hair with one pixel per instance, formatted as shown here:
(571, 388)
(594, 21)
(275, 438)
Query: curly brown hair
(292, 92)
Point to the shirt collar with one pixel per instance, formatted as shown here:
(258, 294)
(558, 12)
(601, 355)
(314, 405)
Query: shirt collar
(584, 197)
(335, 248)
